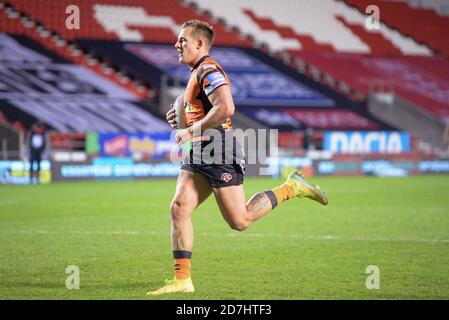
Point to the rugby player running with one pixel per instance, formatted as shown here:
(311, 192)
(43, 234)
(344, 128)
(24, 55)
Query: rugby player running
(209, 105)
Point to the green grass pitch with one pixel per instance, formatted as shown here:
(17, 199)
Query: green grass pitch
(117, 233)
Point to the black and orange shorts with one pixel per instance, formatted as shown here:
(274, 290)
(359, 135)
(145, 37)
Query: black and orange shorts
(221, 162)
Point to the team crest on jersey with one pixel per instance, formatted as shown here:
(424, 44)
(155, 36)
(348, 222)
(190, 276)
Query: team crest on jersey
(189, 108)
(226, 177)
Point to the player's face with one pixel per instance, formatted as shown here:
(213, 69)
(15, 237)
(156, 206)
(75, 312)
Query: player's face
(187, 47)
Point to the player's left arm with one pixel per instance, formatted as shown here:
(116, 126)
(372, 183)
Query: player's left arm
(223, 108)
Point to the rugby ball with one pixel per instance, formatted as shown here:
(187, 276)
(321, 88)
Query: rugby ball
(180, 113)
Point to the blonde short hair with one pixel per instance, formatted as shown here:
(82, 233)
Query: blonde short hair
(201, 28)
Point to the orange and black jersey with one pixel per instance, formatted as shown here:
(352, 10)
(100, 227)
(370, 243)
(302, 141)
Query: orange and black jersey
(206, 76)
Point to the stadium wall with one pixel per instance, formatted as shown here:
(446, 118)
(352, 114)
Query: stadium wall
(402, 114)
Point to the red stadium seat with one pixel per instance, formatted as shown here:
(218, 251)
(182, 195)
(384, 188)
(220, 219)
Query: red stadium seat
(51, 13)
(424, 25)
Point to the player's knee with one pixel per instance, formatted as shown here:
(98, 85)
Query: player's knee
(178, 210)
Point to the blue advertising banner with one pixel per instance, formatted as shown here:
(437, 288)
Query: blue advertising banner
(366, 142)
(434, 166)
(252, 82)
(154, 146)
(108, 168)
(17, 172)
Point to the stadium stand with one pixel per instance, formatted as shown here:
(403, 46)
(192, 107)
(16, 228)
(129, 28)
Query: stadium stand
(15, 22)
(157, 22)
(266, 87)
(378, 44)
(386, 61)
(440, 6)
(315, 19)
(311, 69)
(422, 80)
(138, 20)
(420, 23)
(39, 84)
(300, 37)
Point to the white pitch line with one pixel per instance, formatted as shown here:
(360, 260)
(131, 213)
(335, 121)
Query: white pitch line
(229, 234)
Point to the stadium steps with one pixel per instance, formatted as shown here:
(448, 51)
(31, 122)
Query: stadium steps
(423, 80)
(280, 42)
(307, 42)
(421, 24)
(137, 20)
(260, 19)
(307, 30)
(376, 41)
(14, 22)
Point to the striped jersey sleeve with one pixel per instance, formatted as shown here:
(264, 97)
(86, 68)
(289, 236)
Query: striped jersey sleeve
(210, 77)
